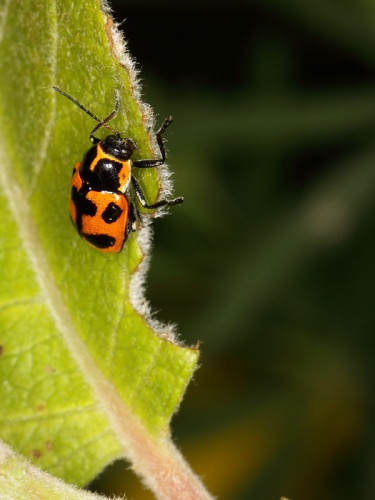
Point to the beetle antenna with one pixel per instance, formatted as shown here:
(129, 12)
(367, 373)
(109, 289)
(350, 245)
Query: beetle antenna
(101, 123)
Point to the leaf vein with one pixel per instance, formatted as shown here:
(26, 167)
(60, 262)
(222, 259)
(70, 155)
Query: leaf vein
(46, 137)
(55, 415)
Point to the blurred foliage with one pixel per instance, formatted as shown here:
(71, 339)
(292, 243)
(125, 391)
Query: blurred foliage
(270, 262)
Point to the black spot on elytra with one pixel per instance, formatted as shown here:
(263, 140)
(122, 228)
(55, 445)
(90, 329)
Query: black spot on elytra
(111, 213)
(83, 205)
(100, 240)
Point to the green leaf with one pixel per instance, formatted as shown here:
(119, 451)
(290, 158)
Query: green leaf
(19, 479)
(86, 374)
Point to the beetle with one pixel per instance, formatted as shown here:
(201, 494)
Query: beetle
(102, 207)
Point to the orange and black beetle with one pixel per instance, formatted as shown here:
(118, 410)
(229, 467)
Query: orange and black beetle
(101, 207)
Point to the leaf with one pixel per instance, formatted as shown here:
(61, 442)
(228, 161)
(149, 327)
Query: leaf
(19, 479)
(87, 376)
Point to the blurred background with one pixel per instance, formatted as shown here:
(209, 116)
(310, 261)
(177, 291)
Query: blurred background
(270, 262)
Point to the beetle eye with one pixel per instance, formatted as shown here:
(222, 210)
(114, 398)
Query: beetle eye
(128, 146)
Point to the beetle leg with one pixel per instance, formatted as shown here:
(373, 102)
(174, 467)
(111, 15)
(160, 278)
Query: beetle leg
(160, 203)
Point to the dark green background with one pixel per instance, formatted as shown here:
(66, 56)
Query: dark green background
(270, 262)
